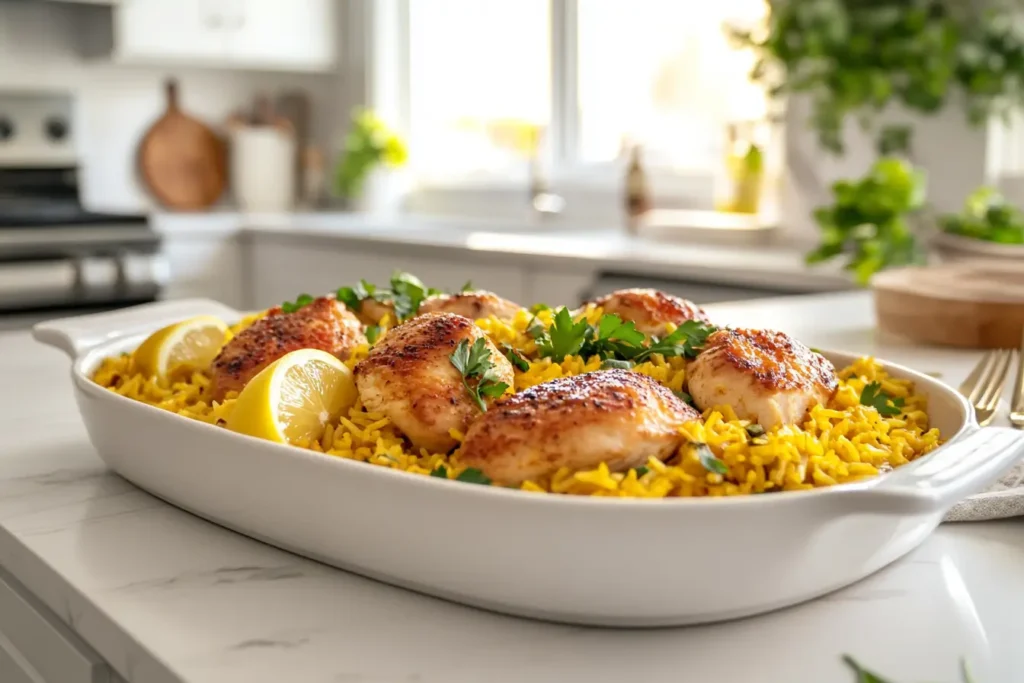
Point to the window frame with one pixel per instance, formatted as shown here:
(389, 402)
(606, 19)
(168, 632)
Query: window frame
(584, 185)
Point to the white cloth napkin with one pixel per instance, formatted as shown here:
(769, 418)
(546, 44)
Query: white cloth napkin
(1004, 499)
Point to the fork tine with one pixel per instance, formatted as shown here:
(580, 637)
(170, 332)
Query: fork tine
(1017, 397)
(987, 367)
(971, 383)
(994, 390)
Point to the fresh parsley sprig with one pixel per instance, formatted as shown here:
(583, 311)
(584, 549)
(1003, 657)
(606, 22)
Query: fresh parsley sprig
(885, 404)
(301, 301)
(407, 293)
(614, 339)
(709, 460)
(354, 296)
(515, 358)
(474, 362)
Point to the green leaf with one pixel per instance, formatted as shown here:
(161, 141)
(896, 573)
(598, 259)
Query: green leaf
(684, 397)
(468, 287)
(301, 301)
(641, 471)
(408, 294)
(440, 471)
(616, 364)
(708, 459)
(493, 389)
(754, 430)
(372, 334)
(863, 675)
(563, 338)
(478, 373)
(687, 340)
(874, 397)
(515, 358)
(473, 476)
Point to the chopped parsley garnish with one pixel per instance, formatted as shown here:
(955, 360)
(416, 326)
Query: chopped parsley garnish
(372, 333)
(687, 340)
(473, 476)
(564, 337)
(616, 364)
(474, 362)
(468, 287)
(684, 397)
(537, 308)
(641, 471)
(407, 293)
(612, 338)
(352, 297)
(814, 349)
(708, 459)
(440, 471)
(885, 404)
(515, 358)
(301, 301)
(754, 429)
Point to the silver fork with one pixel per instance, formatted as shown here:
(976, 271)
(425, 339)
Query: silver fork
(1017, 397)
(984, 386)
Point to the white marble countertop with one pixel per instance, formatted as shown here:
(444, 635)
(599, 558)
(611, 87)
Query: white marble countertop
(773, 266)
(164, 596)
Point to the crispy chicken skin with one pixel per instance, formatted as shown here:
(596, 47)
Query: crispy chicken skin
(473, 305)
(614, 416)
(408, 376)
(650, 310)
(324, 324)
(765, 376)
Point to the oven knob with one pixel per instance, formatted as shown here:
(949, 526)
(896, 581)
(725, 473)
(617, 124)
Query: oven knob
(6, 128)
(56, 129)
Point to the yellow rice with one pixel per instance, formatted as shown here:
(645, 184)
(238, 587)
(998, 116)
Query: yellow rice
(838, 443)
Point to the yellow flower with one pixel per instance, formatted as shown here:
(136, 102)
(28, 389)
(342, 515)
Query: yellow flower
(395, 151)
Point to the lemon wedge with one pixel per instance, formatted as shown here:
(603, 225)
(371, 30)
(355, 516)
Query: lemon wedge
(194, 342)
(294, 398)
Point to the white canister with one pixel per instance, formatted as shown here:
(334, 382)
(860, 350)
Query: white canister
(263, 168)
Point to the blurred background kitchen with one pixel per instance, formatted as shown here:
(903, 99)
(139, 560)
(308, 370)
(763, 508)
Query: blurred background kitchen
(548, 150)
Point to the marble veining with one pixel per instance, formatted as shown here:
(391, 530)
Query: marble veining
(168, 598)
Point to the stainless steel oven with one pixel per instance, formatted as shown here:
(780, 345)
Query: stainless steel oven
(56, 257)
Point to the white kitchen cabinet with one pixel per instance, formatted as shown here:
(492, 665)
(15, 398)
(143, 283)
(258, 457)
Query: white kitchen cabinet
(280, 269)
(36, 647)
(292, 35)
(208, 266)
(297, 33)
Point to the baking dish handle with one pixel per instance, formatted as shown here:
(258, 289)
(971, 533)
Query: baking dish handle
(75, 336)
(961, 468)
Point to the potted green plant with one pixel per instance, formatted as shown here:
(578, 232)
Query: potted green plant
(988, 225)
(876, 63)
(371, 147)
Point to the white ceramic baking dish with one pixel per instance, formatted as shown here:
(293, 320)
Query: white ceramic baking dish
(573, 559)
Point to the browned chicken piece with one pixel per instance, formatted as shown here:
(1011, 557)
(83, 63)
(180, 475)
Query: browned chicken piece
(650, 310)
(765, 376)
(324, 324)
(409, 377)
(473, 305)
(617, 417)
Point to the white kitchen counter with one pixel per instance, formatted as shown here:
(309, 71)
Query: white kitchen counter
(597, 249)
(164, 596)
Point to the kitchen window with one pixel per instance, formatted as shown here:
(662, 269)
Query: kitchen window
(580, 81)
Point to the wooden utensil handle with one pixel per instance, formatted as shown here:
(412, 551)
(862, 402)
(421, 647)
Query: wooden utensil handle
(171, 88)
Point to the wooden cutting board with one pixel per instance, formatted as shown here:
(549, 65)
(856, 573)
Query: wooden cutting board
(976, 304)
(181, 160)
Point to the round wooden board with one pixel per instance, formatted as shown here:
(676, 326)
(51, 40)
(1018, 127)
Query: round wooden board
(976, 304)
(181, 160)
